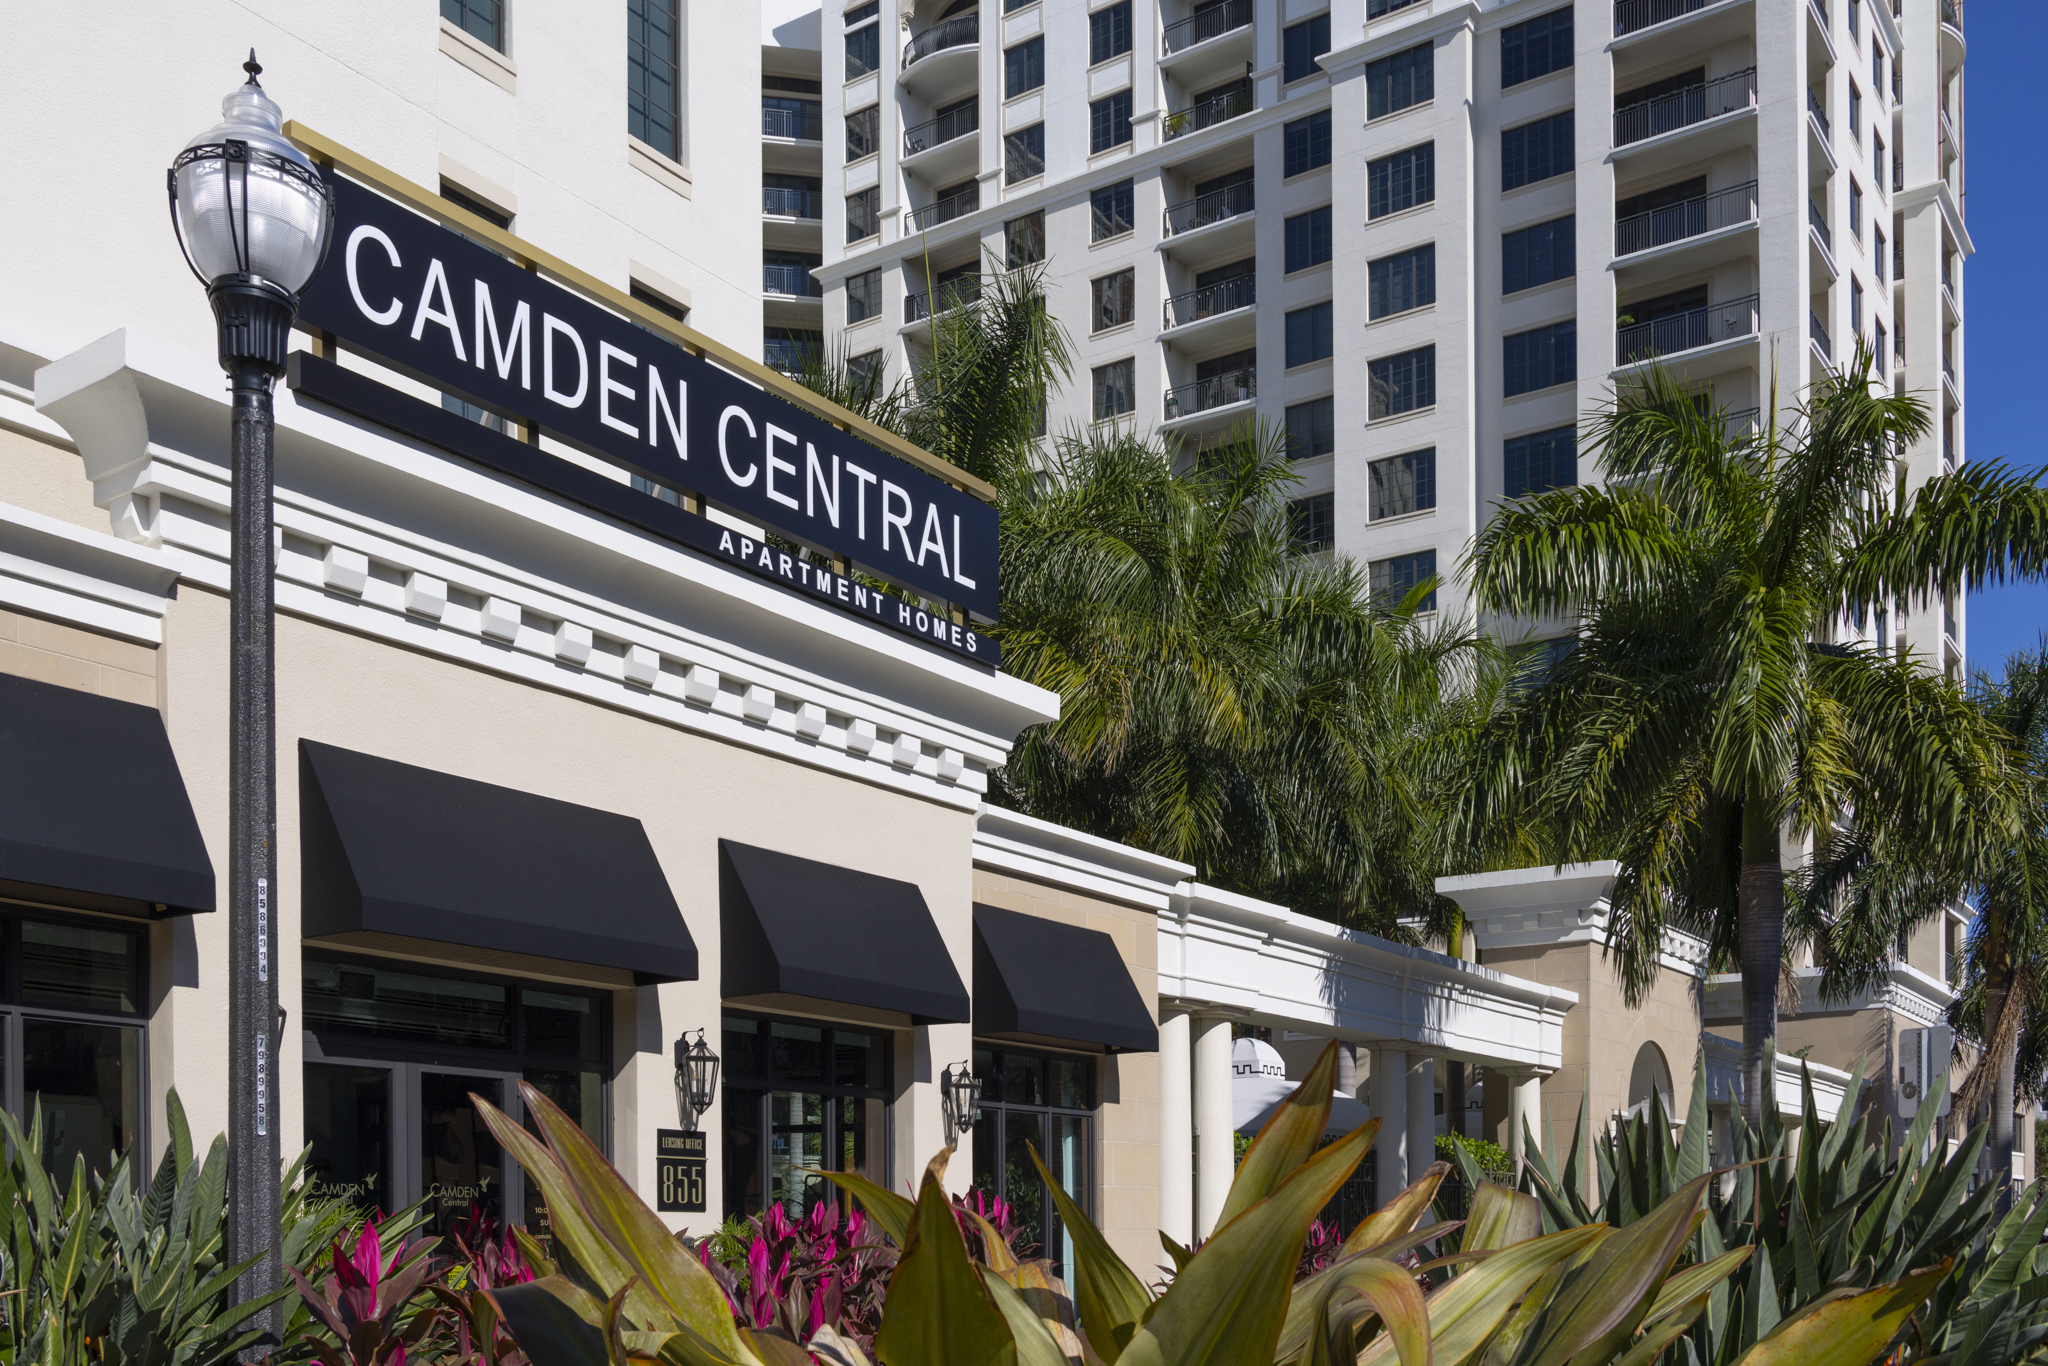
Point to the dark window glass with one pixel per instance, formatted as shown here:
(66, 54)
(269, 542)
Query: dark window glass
(802, 1096)
(481, 19)
(863, 13)
(348, 1127)
(864, 214)
(1401, 181)
(79, 967)
(1402, 484)
(559, 1024)
(1400, 81)
(1535, 48)
(1056, 1122)
(660, 304)
(1308, 334)
(863, 51)
(497, 218)
(797, 84)
(1312, 523)
(1230, 363)
(1110, 211)
(1856, 306)
(863, 296)
(1301, 44)
(1403, 383)
(1305, 144)
(1393, 579)
(87, 1078)
(1539, 358)
(1308, 239)
(1109, 122)
(1379, 9)
(1539, 461)
(1024, 240)
(865, 370)
(651, 102)
(1024, 154)
(1855, 112)
(1855, 209)
(1537, 255)
(1109, 33)
(1311, 428)
(1113, 297)
(389, 1002)
(863, 132)
(1536, 151)
(1113, 397)
(1402, 281)
(1023, 68)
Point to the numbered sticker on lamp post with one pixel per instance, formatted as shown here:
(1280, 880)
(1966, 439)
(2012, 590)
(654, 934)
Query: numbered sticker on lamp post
(679, 1170)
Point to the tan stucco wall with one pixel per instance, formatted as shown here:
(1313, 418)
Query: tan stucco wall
(47, 478)
(71, 657)
(1127, 1124)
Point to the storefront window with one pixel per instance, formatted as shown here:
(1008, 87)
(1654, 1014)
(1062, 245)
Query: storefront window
(1044, 1101)
(800, 1094)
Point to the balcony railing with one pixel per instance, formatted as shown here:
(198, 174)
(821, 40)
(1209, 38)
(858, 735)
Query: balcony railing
(787, 123)
(794, 281)
(1217, 206)
(1631, 15)
(1688, 218)
(957, 123)
(961, 289)
(1818, 332)
(1952, 14)
(1683, 108)
(1210, 112)
(1740, 422)
(792, 203)
(964, 31)
(1225, 296)
(1687, 331)
(790, 356)
(1213, 22)
(1820, 114)
(945, 210)
(1818, 221)
(1945, 283)
(1899, 259)
(1948, 366)
(1238, 386)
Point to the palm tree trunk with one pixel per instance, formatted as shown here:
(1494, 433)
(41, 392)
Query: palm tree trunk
(1760, 903)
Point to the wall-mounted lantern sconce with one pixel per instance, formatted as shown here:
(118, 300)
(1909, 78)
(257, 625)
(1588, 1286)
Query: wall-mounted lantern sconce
(960, 1096)
(696, 1076)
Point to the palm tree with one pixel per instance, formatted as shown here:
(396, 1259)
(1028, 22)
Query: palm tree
(1711, 713)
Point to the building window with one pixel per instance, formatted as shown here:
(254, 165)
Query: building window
(801, 1094)
(1856, 306)
(1109, 122)
(1308, 239)
(1536, 151)
(1024, 240)
(1855, 113)
(1109, 33)
(1539, 358)
(1539, 461)
(863, 45)
(864, 214)
(1380, 9)
(789, 273)
(1024, 154)
(1402, 383)
(651, 75)
(1401, 181)
(1537, 255)
(1301, 44)
(497, 218)
(1877, 161)
(1109, 211)
(480, 19)
(865, 371)
(1401, 81)
(1305, 144)
(1393, 579)
(658, 303)
(1308, 334)
(1112, 389)
(1312, 523)
(1401, 282)
(863, 132)
(864, 296)
(1402, 484)
(1877, 252)
(1043, 1102)
(1536, 48)
(1113, 298)
(1855, 210)
(1877, 349)
(1311, 428)
(1023, 68)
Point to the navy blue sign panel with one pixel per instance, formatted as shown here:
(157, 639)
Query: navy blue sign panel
(457, 315)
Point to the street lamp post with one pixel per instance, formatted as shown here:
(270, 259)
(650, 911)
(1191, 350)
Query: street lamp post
(254, 220)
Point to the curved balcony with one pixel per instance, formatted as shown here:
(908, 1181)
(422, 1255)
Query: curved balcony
(1683, 108)
(941, 60)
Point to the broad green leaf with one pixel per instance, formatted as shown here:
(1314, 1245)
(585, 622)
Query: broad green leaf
(1398, 1215)
(1178, 1253)
(1287, 1140)
(1501, 1217)
(774, 1347)
(1849, 1330)
(939, 1311)
(1048, 1298)
(888, 1209)
(1035, 1344)
(1385, 1289)
(834, 1348)
(1227, 1307)
(547, 1328)
(1111, 1299)
(1464, 1314)
(1699, 1279)
(1652, 1343)
(1692, 1144)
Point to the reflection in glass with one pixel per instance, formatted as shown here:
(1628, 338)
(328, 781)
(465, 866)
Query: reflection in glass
(1069, 1083)
(388, 1003)
(856, 1059)
(797, 1052)
(1021, 1186)
(462, 1169)
(581, 1097)
(742, 1110)
(348, 1126)
(557, 1025)
(86, 1078)
(741, 1047)
(1069, 1163)
(72, 967)
(796, 1140)
(1023, 1083)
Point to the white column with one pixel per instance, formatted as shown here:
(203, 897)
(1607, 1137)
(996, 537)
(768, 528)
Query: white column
(1421, 1114)
(1218, 1150)
(1176, 1129)
(1389, 1084)
(1525, 1115)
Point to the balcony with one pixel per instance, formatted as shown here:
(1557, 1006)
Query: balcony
(1817, 333)
(789, 281)
(1820, 115)
(1684, 108)
(777, 203)
(1820, 12)
(1218, 206)
(1688, 218)
(1231, 104)
(951, 125)
(1952, 14)
(1675, 333)
(947, 296)
(1741, 422)
(1818, 221)
(940, 63)
(787, 123)
(964, 31)
(791, 355)
(1207, 395)
(1632, 16)
(944, 210)
(1212, 301)
(1212, 21)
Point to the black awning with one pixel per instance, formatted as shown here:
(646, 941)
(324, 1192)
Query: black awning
(92, 807)
(1036, 976)
(789, 924)
(389, 848)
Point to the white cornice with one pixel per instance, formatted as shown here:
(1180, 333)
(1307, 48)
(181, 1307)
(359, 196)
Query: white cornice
(1724, 1079)
(1938, 193)
(89, 579)
(1007, 842)
(1398, 35)
(1544, 906)
(1902, 988)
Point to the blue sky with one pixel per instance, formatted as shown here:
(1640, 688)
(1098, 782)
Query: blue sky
(2006, 282)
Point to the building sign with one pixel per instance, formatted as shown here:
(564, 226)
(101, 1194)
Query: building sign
(433, 304)
(679, 1171)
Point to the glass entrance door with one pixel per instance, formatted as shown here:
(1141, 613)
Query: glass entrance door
(462, 1170)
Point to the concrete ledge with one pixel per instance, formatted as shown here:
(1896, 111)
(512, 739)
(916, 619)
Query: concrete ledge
(672, 174)
(480, 57)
